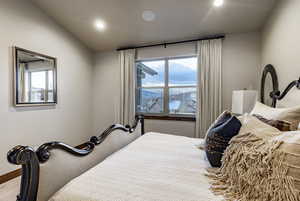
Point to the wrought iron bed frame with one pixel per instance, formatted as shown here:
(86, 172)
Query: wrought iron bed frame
(275, 95)
(31, 159)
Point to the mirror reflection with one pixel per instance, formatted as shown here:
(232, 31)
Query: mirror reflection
(35, 76)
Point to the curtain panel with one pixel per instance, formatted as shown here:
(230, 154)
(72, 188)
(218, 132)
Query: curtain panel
(22, 82)
(209, 89)
(127, 88)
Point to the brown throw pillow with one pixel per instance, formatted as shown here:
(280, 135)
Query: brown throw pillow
(279, 124)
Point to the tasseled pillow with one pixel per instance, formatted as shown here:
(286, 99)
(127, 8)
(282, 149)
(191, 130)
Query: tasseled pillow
(218, 137)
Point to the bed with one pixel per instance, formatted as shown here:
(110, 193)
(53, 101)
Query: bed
(155, 167)
(123, 163)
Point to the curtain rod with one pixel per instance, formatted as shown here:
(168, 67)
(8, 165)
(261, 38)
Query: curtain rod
(172, 43)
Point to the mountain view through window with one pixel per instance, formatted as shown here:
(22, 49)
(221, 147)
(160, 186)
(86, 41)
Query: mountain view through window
(167, 86)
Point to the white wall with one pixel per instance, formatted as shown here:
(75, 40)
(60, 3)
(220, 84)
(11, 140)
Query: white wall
(281, 44)
(241, 66)
(24, 25)
(106, 90)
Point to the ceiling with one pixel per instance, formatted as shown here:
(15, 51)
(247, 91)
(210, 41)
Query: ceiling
(175, 19)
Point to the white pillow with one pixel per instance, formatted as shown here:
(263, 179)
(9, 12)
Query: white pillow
(291, 114)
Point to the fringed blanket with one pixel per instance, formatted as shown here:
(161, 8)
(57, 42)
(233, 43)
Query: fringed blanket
(254, 169)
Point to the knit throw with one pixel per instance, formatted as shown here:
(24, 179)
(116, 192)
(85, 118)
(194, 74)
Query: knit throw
(253, 169)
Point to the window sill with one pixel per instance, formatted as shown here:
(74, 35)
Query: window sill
(170, 118)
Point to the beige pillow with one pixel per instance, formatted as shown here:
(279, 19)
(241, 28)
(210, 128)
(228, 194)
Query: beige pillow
(291, 115)
(251, 124)
(279, 124)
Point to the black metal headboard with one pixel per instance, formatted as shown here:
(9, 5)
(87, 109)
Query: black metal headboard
(275, 94)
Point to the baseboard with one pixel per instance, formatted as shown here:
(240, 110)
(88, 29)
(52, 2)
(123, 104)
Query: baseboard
(11, 175)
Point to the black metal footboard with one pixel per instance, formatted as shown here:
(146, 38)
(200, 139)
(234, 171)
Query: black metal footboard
(31, 159)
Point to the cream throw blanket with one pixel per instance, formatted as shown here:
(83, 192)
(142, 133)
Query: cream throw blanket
(155, 167)
(257, 165)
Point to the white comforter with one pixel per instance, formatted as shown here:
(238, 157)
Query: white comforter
(155, 167)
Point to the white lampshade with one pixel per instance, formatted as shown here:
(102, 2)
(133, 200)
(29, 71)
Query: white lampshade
(243, 101)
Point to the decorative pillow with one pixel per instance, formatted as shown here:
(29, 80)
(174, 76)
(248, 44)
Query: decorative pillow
(291, 115)
(251, 124)
(218, 137)
(279, 124)
(259, 165)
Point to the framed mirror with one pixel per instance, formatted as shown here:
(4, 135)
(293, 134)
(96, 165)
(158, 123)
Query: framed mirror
(35, 77)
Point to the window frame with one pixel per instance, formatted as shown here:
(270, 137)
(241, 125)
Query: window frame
(165, 115)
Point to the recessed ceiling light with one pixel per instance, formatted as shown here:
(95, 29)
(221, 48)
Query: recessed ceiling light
(100, 25)
(218, 3)
(148, 15)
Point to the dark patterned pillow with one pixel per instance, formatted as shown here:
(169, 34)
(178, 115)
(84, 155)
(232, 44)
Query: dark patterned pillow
(279, 124)
(218, 137)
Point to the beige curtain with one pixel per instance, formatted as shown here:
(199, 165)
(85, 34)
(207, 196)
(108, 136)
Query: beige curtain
(209, 90)
(22, 89)
(127, 88)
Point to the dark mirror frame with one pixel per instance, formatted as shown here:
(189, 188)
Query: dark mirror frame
(16, 102)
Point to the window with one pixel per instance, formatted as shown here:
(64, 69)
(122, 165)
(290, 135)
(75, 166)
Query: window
(40, 86)
(167, 87)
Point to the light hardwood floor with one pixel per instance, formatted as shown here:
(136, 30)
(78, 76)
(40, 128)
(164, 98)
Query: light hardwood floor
(10, 190)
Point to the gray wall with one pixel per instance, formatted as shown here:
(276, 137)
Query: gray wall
(24, 25)
(241, 66)
(281, 44)
(106, 91)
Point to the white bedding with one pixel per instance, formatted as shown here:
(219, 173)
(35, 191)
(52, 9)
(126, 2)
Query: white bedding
(155, 167)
